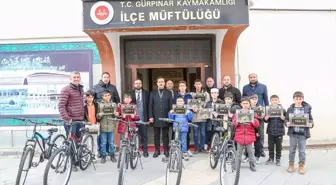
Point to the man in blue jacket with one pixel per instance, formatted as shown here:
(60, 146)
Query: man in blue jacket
(254, 87)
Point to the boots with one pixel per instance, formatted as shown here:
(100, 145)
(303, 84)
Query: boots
(301, 168)
(290, 168)
(113, 159)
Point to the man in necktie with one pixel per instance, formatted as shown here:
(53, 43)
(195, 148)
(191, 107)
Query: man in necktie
(140, 97)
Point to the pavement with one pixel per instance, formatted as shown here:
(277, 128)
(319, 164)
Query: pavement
(320, 170)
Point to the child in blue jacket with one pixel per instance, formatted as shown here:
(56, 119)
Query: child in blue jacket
(184, 127)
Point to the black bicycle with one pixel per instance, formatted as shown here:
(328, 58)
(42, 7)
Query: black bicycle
(47, 146)
(230, 166)
(74, 152)
(129, 149)
(175, 163)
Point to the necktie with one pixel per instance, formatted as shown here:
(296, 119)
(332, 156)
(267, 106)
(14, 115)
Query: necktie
(138, 101)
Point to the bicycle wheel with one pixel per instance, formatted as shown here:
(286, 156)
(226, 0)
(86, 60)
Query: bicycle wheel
(230, 168)
(61, 163)
(134, 155)
(85, 152)
(214, 151)
(122, 168)
(174, 165)
(26, 158)
(57, 142)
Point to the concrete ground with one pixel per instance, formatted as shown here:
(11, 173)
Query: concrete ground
(320, 170)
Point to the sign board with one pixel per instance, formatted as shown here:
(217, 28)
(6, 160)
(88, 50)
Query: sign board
(155, 13)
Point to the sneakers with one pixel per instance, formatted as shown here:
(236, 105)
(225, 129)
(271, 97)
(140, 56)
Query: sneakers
(252, 166)
(189, 153)
(113, 159)
(269, 161)
(185, 156)
(301, 168)
(291, 167)
(278, 162)
(257, 160)
(196, 151)
(244, 159)
(103, 159)
(263, 154)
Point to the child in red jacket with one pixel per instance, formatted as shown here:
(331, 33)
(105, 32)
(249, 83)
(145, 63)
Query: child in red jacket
(127, 100)
(245, 134)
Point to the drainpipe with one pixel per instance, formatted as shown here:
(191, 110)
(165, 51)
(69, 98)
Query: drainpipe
(293, 9)
(237, 75)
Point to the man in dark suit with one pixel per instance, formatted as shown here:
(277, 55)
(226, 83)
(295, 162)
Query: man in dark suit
(170, 87)
(140, 97)
(160, 103)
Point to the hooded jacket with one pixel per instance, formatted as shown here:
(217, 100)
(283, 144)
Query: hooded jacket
(276, 126)
(245, 133)
(185, 119)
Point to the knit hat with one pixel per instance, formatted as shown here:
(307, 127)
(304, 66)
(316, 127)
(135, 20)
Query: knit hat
(214, 90)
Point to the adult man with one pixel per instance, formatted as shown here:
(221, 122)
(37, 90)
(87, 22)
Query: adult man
(210, 83)
(227, 87)
(71, 106)
(254, 87)
(160, 103)
(170, 87)
(105, 84)
(140, 97)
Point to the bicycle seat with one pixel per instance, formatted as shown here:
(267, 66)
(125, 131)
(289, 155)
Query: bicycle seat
(84, 129)
(52, 130)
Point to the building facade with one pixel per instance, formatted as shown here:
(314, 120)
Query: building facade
(288, 44)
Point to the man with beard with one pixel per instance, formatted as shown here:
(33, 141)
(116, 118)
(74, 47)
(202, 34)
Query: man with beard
(210, 83)
(105, 84)
(254, 87)
(227, 87)
(160, 103)
(140, 97)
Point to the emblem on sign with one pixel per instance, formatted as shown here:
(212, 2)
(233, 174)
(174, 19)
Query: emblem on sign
(102, 13)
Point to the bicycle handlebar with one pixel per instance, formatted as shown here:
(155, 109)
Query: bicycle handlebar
(178, 122)
(129, 122)
(34, 122)
(57, 120)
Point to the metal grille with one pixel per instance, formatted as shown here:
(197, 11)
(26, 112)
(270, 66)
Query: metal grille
(168, 51)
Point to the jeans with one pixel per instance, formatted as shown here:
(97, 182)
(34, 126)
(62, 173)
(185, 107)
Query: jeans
(300, 141)
(106, 137)
(202, 128)
(240, 149)
(67, 129)
(277, 141)
(98, 144)
(183, 139)
(74, 128)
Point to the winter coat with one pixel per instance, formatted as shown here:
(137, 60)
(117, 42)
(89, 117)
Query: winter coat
(186, 97)
(182, 118)
(196, 118)
(71, 103)
(245, 133)
(212, 124)
(276, 126)
(233, 90)
(260, 90)
(106, 125)
(121, 125)
(101, 87)
(307, 110)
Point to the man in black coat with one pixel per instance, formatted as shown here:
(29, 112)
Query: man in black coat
(160, 103)
(103, 85)
(140, 97)
(227, 87)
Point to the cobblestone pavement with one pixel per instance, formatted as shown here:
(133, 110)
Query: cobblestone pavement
(320, 170)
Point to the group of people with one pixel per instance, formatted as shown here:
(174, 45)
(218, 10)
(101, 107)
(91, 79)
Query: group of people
(158, 104)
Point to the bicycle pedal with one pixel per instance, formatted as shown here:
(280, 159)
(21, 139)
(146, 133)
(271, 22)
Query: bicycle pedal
(34, 164)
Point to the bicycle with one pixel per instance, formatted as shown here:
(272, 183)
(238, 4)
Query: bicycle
(48, 146)
(129, 149)
(233, 163)
(75, 151)
(175, 163)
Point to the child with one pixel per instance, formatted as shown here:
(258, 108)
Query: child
(298, 135)
(184, 127)
(275, 131)
(245, 134)
(259, 130)
(91, 110)
(228, 100)
(211, 124)
(127, 100)
(107, 128)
